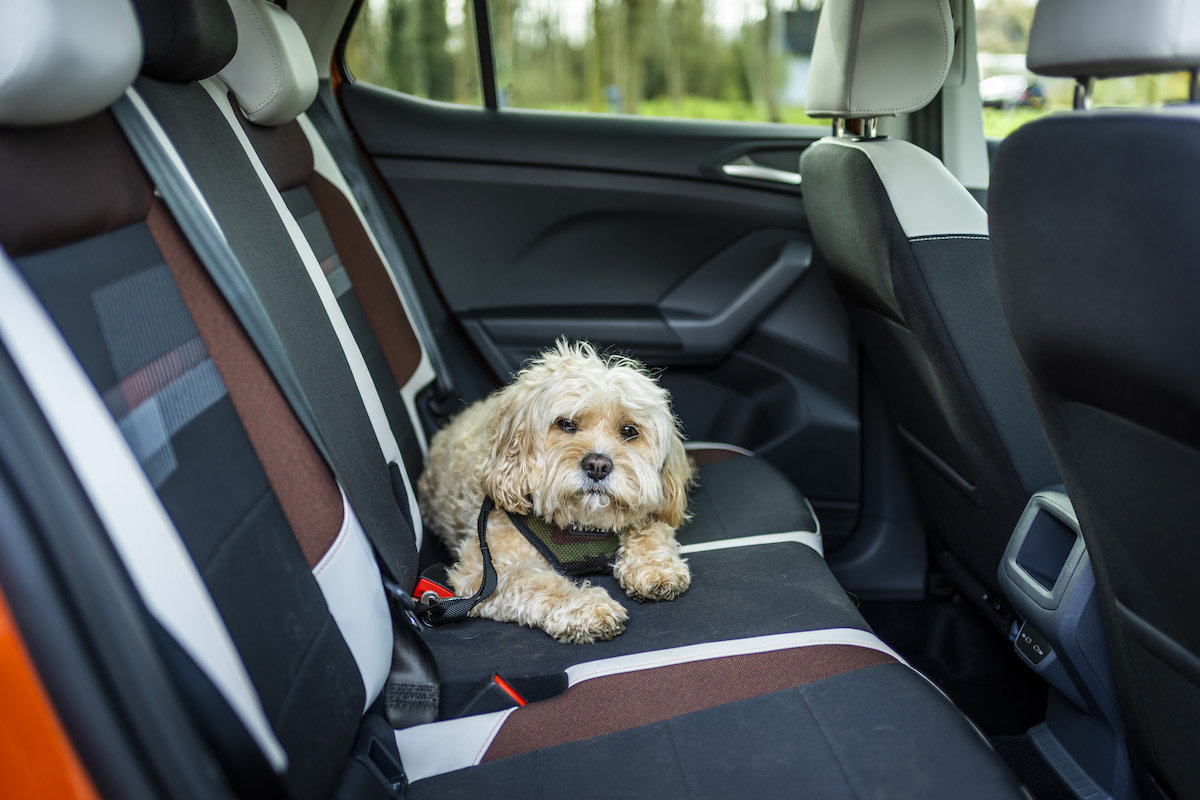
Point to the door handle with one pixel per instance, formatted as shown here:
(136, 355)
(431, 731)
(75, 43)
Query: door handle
(743, 167)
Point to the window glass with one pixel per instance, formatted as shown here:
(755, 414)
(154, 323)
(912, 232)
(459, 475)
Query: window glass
(423, 47)
(700, 59)
(1012, 95)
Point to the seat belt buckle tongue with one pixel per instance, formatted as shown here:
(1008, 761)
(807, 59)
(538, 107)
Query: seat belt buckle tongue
(433, 585)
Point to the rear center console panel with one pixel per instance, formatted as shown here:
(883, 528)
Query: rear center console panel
(1048, 578)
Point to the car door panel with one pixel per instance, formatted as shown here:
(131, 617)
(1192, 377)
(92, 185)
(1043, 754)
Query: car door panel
(630, 233)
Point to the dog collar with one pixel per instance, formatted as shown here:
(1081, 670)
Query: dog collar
(574, 551)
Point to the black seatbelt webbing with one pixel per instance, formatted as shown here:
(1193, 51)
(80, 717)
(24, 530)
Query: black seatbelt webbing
(202, 229)
(412, 691)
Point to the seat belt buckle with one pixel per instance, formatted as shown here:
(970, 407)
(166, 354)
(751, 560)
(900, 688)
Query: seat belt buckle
(432, 586)
(496, 694)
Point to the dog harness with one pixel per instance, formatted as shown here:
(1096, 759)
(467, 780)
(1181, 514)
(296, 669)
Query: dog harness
(573, 552)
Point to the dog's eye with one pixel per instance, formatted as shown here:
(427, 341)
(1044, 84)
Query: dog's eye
(568, 425)
(629, 432)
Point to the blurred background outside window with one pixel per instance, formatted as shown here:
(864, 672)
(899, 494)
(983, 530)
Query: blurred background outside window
(1012, 95)
(700, 59)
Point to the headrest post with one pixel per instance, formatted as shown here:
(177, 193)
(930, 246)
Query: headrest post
(1083, 93)
(870, 127)
(1194, 85)
(839, 127)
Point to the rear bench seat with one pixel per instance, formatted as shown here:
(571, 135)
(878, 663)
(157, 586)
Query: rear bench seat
(762, 675)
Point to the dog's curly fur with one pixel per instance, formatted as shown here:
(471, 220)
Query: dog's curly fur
(524, 445)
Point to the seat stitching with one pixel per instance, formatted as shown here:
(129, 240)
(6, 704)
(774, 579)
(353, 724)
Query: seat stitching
(837, 759)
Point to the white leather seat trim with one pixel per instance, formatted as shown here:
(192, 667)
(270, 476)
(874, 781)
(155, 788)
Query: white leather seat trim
(362, 377)
(1070, 38)
(808, 538)
(62, 60)
(142, 533)
(424, 375)
(349, 578)
(927, 199)
(732, 448)
(440, 747)
(272, 75)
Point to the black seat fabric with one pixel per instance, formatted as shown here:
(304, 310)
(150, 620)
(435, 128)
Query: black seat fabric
(1096, 251)
(908, 247)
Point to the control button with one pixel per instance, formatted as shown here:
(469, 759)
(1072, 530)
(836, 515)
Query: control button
(1032, 644)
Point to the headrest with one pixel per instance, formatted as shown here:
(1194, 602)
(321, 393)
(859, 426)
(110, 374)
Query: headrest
(186, 40)
(1099, 38)
(63, 60)
(273, 75)
(877, 57)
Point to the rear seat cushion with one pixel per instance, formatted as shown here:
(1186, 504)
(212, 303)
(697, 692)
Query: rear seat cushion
(739, 495)
(876, 731)
(736, 592)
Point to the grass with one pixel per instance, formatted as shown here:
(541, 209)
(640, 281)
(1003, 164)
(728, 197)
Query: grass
(996, 122)
(690, 107)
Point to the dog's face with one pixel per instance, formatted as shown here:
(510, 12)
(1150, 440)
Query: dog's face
(588, 441)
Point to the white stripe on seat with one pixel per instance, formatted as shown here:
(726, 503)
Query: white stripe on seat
(326, 167)
(808, 538)
(349, 578)
(440, 747)
(142, 533)
(732, 448)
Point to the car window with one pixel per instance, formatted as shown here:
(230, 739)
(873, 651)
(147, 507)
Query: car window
(1012, 95)
(742, 60)
(425, 48)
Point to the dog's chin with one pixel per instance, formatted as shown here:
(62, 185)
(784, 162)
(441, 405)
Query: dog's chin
(591, 507)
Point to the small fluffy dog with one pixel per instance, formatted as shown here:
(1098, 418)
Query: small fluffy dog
(578, 443)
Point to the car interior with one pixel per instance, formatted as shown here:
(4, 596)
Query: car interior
(936, 393)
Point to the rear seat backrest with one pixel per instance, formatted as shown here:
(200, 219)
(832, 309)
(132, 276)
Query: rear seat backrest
(160, 348)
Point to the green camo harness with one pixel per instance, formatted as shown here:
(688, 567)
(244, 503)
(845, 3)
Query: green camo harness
(575, 551)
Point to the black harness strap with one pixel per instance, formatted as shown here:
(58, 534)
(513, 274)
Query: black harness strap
(457, 609)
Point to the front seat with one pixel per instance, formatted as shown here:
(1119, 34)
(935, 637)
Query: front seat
(908, 246)
(1097, 251)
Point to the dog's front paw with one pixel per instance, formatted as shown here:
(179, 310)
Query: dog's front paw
(653, 579)
(589, 616)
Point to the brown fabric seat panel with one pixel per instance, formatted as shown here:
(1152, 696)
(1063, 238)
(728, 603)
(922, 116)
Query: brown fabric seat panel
(299, 476)
(630, 699)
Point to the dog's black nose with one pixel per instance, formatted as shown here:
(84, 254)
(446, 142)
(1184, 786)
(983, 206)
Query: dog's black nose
(596, 466)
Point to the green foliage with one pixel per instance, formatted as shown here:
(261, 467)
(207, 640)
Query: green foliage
(632, 56)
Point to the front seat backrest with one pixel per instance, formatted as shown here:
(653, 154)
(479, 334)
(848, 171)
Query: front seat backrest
(1097, 251)
(908, 246)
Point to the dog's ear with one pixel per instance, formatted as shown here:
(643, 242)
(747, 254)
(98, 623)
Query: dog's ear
(508, 468)
(678, 475)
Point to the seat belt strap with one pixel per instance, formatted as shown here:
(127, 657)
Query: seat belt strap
(411, 693)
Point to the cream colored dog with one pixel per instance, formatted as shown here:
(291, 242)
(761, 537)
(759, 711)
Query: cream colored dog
(580, 441)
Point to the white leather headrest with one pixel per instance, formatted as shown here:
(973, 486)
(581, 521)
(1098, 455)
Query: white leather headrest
(272, 75)
(62, 60)
(1098, 38)
(873, 58)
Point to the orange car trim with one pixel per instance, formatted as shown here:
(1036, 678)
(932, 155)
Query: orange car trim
(36, 757)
